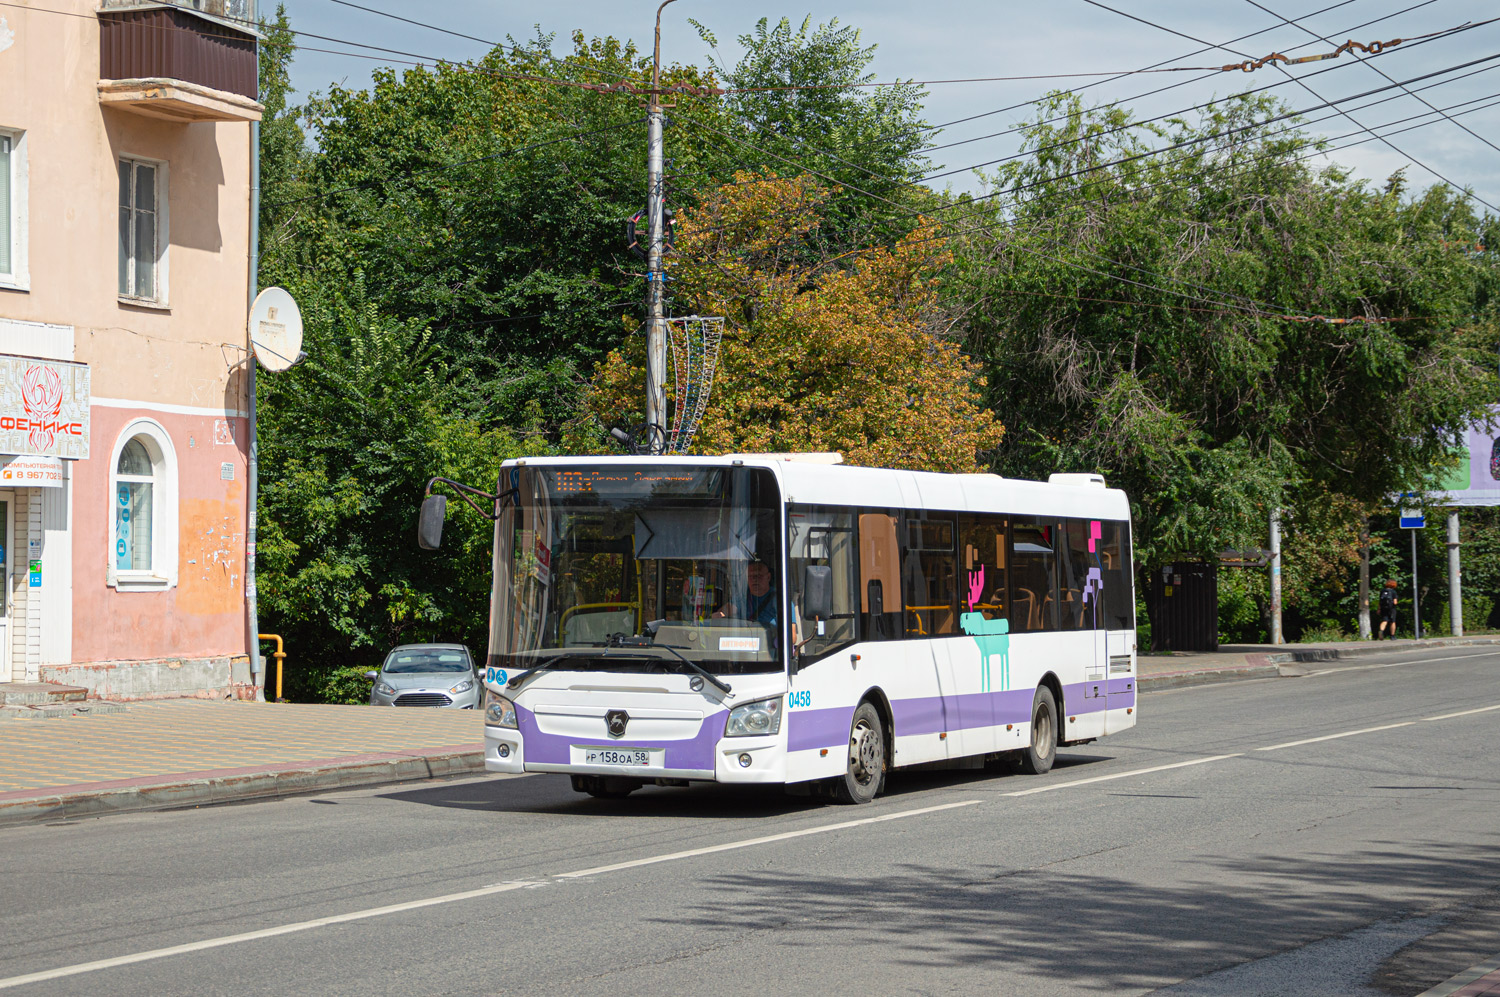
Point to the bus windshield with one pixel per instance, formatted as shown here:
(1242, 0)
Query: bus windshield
(637, 567)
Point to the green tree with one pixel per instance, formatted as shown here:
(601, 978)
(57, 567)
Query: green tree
(1153, 315)
(352, 435)
(801, 99)
(488, 200)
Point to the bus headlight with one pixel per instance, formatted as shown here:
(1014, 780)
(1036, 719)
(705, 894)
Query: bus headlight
(760, 717)
(498, 711)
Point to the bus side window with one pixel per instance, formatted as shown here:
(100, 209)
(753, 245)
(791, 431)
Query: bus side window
(1078, 588)
(1119, 576)
(981, 582)
(879, 577)
(929, 577)
(1033, 575)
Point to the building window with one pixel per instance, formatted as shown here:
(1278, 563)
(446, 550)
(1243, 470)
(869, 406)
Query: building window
(13, 272)
(143, 509)
(143, 202)
(134, 479)
(7, 226)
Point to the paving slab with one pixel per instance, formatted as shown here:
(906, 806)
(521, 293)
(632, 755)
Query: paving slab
(193, 752)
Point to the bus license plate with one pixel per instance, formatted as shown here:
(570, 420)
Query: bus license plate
(616, 756)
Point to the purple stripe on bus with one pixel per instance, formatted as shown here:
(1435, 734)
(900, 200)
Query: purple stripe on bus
(819, 728)
(553, 749)
(935, 714)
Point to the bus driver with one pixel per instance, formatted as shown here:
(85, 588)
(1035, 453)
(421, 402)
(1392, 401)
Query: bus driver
(761, 601)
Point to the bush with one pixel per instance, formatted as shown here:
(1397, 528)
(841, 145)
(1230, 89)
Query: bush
(1325, 632)
(346, 685)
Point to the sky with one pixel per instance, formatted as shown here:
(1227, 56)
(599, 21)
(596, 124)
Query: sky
(947, 39)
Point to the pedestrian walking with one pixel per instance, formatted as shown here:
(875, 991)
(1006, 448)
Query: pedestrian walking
(1387, 611)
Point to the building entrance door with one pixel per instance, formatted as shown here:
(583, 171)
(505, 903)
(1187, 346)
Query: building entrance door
(7, 553)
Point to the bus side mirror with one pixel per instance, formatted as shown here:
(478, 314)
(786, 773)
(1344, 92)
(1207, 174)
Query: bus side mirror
(430, 523)
(817, 591)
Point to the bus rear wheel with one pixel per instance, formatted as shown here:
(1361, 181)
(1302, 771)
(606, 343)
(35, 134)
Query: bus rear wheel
(1037, 757)
(864, 776)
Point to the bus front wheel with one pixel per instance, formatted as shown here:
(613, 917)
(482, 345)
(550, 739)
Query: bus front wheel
(1037, 758)
(864, 775)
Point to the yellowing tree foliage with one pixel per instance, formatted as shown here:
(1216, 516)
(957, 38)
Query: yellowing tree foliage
(815, 356)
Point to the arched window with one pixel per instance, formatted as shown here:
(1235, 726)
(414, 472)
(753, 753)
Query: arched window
(143, 509)
(134, 481)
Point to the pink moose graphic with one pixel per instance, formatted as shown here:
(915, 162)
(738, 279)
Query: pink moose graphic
(992, 636)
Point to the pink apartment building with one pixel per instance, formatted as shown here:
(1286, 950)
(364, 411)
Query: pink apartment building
(125, 215)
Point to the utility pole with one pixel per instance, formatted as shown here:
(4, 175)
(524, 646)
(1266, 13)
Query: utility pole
(1364, 577)
(656, 327)
(1416, 612)
(1276, 576)
(1455, 581)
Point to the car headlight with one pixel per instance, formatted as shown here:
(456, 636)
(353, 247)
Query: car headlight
(760, 717)
(385, 688)
(498, 711)
(463, 686)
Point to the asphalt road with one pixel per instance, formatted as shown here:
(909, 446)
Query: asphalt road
(1206, 852)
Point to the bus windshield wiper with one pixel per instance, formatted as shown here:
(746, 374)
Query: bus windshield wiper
(618, 640)
(551, 662)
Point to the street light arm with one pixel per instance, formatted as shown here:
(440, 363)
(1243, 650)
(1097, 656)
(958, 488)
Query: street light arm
(656, 54)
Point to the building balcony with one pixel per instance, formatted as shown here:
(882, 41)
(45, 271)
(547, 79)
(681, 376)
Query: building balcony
(178, 63)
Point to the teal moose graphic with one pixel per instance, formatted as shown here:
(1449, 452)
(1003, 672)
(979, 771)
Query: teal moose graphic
(992, 636)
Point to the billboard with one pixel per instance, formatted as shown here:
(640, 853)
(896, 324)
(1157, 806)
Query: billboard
(44, 408)
(1476, 480)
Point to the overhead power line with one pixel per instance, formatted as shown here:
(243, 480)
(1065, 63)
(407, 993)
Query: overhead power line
(1377, 69)
(1149, 93)
(1300, 81)
(1172, 86)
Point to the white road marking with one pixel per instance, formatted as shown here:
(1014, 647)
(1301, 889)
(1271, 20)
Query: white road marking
(785, 835)
(1123, 775)
(448, 898)
(1463, 713)
(250, 936)
(1393, 664)
(484, 891)
(1332, 737)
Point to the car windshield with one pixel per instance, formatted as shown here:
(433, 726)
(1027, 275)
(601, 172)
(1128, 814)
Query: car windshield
(411, 661)
(621, 568)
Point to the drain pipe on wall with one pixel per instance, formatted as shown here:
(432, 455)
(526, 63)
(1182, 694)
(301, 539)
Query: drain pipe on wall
(252, 471)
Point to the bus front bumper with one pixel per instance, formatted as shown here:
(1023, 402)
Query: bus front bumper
(717, 759)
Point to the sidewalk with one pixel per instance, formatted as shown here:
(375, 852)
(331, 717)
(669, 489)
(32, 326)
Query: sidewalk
(194, 752)
(1246, 661)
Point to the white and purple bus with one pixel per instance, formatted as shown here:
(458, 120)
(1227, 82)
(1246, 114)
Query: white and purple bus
(785, 619)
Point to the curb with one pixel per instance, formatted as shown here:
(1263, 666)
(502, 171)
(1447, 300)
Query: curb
(1475, 975)
(1203, 676)
(196, 789)
(1274, 664)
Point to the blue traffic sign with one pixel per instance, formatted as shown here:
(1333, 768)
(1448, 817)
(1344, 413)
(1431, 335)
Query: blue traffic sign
(1413, 519)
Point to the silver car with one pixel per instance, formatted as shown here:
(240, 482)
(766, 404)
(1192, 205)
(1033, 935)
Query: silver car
(427, 675)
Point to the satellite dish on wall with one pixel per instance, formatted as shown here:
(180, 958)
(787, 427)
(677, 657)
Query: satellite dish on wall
(276, 329)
